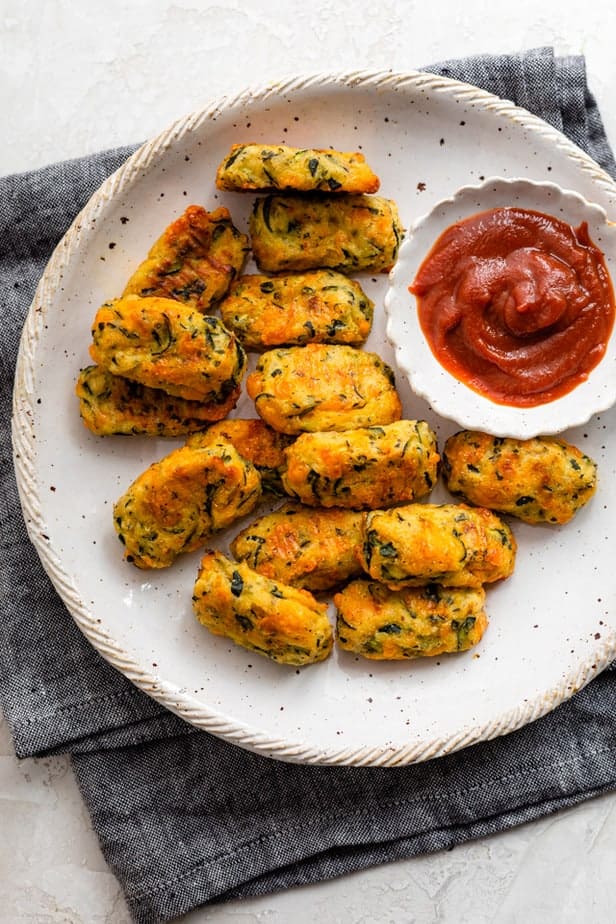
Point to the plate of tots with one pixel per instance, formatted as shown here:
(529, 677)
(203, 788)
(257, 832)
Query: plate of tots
(231, 482)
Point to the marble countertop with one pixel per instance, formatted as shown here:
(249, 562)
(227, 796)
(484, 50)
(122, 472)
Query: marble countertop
(78, 77)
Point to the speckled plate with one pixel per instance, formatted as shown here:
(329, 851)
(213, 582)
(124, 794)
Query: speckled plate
(552, 624)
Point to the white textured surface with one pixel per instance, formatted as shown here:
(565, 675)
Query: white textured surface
(77, 77)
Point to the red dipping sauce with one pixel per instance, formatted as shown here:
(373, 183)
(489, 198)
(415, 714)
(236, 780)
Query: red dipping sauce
(517, 304)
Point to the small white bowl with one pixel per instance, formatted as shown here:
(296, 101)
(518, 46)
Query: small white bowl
(447, 395)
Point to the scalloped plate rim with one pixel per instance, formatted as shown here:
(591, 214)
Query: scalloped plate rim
(468, 405)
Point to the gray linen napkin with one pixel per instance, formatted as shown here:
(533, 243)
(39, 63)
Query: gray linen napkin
(184, 818)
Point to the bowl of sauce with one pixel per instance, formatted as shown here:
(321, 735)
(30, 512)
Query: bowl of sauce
(501, 308)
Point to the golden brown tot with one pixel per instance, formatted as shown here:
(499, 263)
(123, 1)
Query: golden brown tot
(415, 622)
(110, 404)
(449, 544)
(280, 622)
(179, 501)
(323, 387)
(540, 480)
(363, 468)
(349, 233)
(322, 306)
(194, 261)
(280, 166)
(164, 344)
(310, 548)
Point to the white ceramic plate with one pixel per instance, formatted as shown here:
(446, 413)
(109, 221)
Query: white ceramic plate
(552, 624)
(447, 395)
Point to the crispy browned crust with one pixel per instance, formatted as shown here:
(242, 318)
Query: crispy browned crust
(194, 261)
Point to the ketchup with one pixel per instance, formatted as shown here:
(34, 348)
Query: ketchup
(517, 304)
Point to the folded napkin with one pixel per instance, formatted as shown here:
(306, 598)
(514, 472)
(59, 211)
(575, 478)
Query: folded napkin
(183, 817)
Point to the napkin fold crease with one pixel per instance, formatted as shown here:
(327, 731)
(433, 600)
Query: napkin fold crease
(184, 818)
